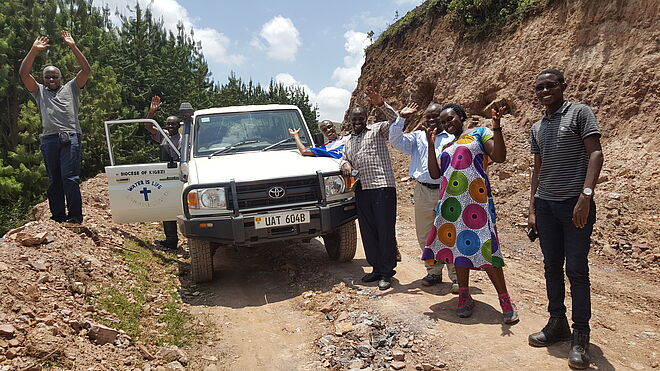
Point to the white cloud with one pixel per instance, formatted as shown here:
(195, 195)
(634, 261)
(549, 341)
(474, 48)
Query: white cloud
(333, 102)
(347, 75)
(373, 22)
(288, 80)
(282, 37)
(215, 44)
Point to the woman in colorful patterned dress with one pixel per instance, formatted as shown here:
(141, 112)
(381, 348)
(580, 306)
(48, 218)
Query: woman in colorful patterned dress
(464, 231)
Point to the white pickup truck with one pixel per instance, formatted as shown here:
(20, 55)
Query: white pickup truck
(240, 182)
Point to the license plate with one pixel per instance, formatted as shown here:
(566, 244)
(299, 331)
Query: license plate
(281, 219)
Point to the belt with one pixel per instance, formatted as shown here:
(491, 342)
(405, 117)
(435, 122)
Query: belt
(57, 135)
(429, 185)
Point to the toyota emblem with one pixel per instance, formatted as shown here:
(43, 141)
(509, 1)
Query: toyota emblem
(276, 192)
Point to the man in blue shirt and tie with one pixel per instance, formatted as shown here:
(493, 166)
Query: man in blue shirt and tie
(427, 188)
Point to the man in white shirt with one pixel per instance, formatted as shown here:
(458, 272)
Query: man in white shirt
(425, 198)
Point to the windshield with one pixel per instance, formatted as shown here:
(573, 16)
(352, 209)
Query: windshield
(252, 130)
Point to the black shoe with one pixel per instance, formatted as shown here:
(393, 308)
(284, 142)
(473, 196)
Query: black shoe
(371, 277)
(556, 330)
(578, 357)
(431, 279)
(384, 284)
(74, 220)
(167, 244)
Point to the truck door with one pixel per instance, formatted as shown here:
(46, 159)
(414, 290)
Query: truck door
(143, 192)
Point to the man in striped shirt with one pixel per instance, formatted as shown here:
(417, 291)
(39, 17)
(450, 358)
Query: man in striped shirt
(366, 151)
(567, 162)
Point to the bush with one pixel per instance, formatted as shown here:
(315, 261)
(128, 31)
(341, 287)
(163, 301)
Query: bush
(471, 18)
(478, 18)
(13, 215)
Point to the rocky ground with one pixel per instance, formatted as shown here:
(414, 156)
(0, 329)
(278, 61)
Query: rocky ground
(69, 294)
(100, 296)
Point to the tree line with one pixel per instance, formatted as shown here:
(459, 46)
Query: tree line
(131, 62)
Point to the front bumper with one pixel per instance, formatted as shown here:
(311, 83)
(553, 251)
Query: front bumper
(239, 229)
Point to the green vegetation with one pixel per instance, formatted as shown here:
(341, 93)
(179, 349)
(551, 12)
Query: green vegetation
(478, 18)
(130, 63)
(415, 17)
(154, 274)
(473, 19)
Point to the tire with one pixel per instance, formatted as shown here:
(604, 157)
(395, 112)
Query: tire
(201, 260)
(342, 242)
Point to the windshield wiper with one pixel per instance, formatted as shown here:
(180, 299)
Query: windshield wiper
(229, 148)
(278, 143)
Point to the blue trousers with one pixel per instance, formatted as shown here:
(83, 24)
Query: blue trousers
(62, 161)
(562, 242)
(376, 211)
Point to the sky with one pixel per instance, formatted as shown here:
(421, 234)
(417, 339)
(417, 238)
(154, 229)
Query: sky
(318, 45)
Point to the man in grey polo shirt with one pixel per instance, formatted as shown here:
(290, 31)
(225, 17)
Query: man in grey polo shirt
(60, 140)
(567, 162)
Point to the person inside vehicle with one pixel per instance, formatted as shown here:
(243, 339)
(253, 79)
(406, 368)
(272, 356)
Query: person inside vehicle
(168, 154)
(333, 148)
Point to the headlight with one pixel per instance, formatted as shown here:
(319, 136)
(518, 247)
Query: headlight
(212, 198)
(334, 185)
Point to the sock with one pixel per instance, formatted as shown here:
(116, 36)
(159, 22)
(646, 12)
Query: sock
(463, 296)
(505, 302)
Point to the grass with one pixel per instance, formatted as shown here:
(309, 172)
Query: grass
(154, 272)
(472, 19)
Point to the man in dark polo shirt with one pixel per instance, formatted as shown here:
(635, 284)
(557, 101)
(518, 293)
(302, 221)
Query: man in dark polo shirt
(60, 140)
(172, 125)
(567, 162)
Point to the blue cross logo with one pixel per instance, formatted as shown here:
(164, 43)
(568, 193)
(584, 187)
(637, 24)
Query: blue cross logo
(145, 192)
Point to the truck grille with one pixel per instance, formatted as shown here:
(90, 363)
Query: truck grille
(255, 194)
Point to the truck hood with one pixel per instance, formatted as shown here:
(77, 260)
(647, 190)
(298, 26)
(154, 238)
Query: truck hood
(249, 166)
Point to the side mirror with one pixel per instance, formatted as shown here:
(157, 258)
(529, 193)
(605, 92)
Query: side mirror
(318, 139)
(186, 110)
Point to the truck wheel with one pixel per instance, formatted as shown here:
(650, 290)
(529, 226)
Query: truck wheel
(201, 260)
(342, 242)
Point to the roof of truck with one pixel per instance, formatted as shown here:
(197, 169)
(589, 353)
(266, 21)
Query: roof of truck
(252, 108)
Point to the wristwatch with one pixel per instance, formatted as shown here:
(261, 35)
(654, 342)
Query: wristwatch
(588, 192)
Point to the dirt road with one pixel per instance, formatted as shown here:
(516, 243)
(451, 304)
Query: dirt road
(261, 309)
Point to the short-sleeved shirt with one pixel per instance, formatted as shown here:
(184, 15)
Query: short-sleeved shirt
(166, 152)
(367, 152)
(333, 148)
(558, 139)
(59, 108)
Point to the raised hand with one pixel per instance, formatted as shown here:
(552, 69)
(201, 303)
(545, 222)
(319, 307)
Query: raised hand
(430, 134)
(408, 110)
(374, 97)
(496, 115)
(294, 132)
(40, 43)
(155, 104)
(68, 39)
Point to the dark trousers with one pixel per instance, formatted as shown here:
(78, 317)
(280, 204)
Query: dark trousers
(562, 242)
(376, 211)
(170, 229)
(62, 161)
